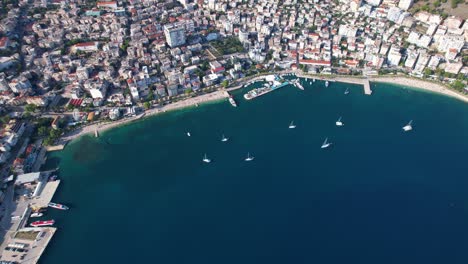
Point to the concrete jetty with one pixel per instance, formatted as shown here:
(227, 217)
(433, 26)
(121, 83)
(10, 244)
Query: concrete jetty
(367, 89)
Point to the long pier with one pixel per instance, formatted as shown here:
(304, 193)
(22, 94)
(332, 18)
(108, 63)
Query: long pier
(367, 89)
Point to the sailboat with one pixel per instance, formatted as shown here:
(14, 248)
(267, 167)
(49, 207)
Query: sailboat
(249, 158)
(224, 139)
(408, 127)
(292, 125)
(347, 91)
(188, 134)
(339, 123)
(206, 159)
(326, 144)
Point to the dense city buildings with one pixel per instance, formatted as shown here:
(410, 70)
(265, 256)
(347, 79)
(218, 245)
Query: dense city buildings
(68, 64)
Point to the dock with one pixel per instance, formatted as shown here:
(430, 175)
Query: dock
(367, 89)
(45, 195)
(28, 242)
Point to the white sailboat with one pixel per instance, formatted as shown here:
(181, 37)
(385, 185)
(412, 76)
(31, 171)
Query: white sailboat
(188, 134)
(292, 125)
(206, 159)
(347, 91)
(408, 127)
(224, 139)
(339, 123)
(249, 158)
(326, 144)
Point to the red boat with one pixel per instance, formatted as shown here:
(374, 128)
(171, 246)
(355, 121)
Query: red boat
(43, 223)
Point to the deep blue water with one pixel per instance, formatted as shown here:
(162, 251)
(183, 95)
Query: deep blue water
(140, 193)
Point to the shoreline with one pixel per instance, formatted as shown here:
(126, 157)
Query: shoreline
(101, 127)
(405, 82)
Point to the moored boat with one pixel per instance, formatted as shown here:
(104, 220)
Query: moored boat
(232, 101)
(37, 214)
(43, 223)
(58, 206)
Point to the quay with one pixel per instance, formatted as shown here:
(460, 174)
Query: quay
(27, 244)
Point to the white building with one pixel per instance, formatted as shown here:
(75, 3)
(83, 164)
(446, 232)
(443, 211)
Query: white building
(175, 35)
(394, 56)
(405, 4)
(98, 92)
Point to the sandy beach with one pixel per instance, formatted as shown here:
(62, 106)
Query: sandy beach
(100, 127)
(421, 84)
(412, 83)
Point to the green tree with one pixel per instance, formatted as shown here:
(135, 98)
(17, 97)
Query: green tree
(188, 91)
(5, 119)
(30, 108)
(151, 95)
(147, 105)
(458, 85)
(225, 83)
(43, 131)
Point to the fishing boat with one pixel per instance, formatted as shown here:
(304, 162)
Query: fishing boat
(43, 223)
(339, 123)
(292, 125)
(206, 159)
(224, 139)
(326, 144)
(188, 134)
(58, 206)
(408, 127)
(249, 158)
(347, 91)
(37, 214)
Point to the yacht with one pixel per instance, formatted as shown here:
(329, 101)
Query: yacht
(347, 91)
(36, 214)
(292, 125)
(326, 83)
(339, 123)
(224, 139)
(188, 134)
(408, 127)
(206, 159)
(326, 144)
(249, 158)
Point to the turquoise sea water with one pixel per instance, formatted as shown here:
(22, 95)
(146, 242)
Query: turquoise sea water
(141, 194)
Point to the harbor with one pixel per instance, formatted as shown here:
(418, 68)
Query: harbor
(32, 194)
(272, 83)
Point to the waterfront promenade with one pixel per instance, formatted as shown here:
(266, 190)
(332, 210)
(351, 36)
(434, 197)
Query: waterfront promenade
(238, 84)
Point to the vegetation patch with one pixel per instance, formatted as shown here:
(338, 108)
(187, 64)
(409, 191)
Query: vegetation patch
(27, 235)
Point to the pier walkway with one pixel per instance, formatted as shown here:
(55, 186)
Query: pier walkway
(367, 89)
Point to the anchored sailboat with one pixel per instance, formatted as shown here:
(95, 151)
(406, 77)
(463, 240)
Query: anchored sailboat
(339, 123)
(326, 144)
(249, 158)
(206, 159)
(408, 127)
(292, 125)
(224, 139)
(347, 91)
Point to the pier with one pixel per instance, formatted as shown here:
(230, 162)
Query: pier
(367, 89)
